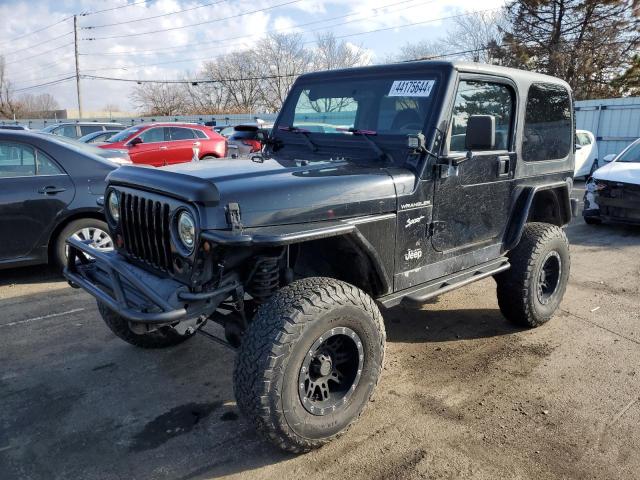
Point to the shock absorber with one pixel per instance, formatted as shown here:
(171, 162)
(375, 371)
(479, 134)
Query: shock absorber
(265, 280)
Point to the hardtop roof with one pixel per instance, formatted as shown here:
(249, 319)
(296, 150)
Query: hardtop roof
(521, 76)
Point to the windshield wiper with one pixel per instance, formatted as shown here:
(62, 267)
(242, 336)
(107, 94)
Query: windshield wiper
(305, 135)
(367, 134)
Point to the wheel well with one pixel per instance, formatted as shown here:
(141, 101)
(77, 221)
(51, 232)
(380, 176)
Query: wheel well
(548, 206)
(67, 221)
(337, 257)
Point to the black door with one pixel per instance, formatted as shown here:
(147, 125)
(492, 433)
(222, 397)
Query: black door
(33, 192)
(471, 201)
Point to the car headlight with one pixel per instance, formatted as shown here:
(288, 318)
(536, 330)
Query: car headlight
(187, 230)
(113, 203)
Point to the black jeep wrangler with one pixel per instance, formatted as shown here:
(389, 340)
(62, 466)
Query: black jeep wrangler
(377, 186)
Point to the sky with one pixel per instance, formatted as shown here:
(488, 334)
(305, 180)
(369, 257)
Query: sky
(120, 38)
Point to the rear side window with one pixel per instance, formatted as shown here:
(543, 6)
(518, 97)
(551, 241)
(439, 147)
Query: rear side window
(583, 139)
(547, 124)
(46, 166)
(181, 133)
(244, 135)
(17, 160)
(87, 129)
(200, 134)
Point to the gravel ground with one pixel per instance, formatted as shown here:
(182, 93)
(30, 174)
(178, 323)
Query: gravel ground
(463, 393)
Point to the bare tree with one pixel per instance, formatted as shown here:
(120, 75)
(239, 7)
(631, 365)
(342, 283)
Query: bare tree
(42, 105)
(282, 58)
(241, 84)
(473, 35)
(163, 99)
(110, 108)
(423, 49)
(331, 54)
(9, 107)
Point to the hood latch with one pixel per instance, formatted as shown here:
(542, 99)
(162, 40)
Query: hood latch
(233, 217)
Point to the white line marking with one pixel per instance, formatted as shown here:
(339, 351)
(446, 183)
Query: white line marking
(43, 317)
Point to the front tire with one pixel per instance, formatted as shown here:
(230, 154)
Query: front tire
(162, 338)
(309, 362)
(531, 290)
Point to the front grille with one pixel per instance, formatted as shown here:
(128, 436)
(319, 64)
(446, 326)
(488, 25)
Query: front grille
(145, 230)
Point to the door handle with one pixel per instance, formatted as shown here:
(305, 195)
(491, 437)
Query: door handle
(51, 190)
(163, 148)
(504, 164)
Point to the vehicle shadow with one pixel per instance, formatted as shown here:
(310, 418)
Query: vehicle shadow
(79, 401)
(29, 275)
(432, 325)
(610, 235)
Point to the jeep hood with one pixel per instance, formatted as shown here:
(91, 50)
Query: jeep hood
(272, 192)
(623, 172)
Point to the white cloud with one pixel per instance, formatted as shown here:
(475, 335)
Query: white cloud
(148, 56)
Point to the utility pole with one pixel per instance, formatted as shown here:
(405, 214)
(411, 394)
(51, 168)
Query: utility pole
(75, 46)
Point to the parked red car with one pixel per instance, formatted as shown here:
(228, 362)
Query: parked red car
(161, 144)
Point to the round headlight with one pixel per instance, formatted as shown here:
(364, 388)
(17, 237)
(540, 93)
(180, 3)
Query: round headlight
(187, 230)
(113, 202)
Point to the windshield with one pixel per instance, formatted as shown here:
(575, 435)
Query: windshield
(391, 106)
(631, 155)
(124, 134)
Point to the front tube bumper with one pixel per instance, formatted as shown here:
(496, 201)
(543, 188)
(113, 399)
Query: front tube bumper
(134, 293)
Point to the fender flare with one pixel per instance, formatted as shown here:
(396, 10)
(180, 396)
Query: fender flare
(283, 235)
(524, 197)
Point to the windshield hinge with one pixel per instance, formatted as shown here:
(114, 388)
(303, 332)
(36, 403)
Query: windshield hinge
(233, 217)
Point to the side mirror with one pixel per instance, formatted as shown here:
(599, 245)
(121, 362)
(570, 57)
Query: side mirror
(578, 147)
(135, 141)
(481, 132)
(609, 158)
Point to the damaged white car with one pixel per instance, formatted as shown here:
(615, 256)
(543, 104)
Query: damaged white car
(613, 192)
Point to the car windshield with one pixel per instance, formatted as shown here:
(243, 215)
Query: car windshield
(124, 134)
(391, 106)
(631, 155)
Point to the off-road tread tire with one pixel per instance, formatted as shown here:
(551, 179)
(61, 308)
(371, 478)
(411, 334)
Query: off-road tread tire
(515, 284)
(162, 338)
(263, 355)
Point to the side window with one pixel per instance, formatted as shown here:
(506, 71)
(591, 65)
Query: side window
(153, 135)
(17, 160)
(583, 139)
(547, 123)
(46, 166)
(482, 98)
(67, 131)
(200, 134)
(181, 133)
(87, 129)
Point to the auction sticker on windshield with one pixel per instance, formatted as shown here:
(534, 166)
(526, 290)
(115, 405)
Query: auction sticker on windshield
(411, 88)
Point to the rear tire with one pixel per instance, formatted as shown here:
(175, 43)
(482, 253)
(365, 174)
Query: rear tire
(531, 290)
(162, 338)
(209, 157)
(309, 362)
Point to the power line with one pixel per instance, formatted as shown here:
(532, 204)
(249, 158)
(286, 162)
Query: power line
(86, 14)
(154, 16)
(38, 30)
(53, 82)
(22, 60)
(290, 2)
(222, 40)
(41, 43)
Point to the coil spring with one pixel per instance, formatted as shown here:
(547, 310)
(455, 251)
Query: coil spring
(265, 280)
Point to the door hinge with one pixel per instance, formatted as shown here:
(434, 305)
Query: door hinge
(233, 217)
(434, 227)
